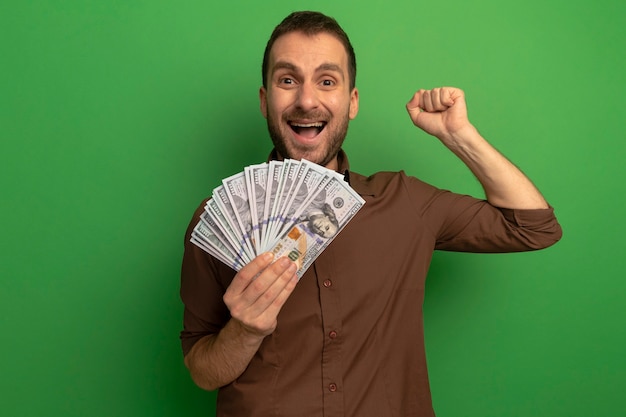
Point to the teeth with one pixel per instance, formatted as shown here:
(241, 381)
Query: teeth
(315, 124)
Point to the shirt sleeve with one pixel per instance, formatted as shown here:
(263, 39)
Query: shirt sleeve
(466, 224)
(204, 280)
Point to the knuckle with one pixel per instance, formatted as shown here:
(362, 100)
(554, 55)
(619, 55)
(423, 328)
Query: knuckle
(257, 286)
(237, 313)
(228, 298)
(268, 295)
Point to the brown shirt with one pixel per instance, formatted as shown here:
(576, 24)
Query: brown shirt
(350, 339)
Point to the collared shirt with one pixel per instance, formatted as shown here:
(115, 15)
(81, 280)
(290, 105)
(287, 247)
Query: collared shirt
(350, 339)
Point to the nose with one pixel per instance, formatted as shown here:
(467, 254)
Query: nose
(307, 97)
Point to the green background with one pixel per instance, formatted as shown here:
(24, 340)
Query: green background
(118, 117)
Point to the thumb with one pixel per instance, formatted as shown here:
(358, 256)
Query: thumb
(413, 106)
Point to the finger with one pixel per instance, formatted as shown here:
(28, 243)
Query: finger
(427, 101)
(246, 274)
(261, 283)
(447, 98)
(261, 317)
(438, 99)
(277, 304)
(278, 293)
(414, 104)
(264, 291)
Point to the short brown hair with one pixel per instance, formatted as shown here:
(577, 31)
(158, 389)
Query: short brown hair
(311, 23)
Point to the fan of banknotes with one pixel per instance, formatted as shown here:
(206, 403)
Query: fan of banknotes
(291, 208)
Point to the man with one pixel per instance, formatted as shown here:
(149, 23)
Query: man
(347, 340)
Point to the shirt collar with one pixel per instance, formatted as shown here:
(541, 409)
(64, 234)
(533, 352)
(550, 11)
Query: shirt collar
(358, 182)
(342, 162)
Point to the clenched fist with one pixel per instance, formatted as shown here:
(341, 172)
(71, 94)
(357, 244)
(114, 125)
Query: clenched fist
(440, 112)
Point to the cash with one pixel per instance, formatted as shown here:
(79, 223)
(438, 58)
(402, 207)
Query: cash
(290, 208)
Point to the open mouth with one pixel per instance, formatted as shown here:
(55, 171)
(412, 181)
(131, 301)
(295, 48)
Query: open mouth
(307, 130)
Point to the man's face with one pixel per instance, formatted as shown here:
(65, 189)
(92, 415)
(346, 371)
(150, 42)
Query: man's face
(308, 101)
(322, 225)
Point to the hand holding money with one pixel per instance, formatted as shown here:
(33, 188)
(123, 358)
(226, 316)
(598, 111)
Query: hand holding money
(288, 208)
(256, 307)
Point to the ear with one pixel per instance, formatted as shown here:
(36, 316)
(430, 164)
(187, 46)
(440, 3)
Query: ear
(263, 101)
(354, 103)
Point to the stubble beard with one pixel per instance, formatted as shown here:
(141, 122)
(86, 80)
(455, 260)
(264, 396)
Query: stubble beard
(287, 149)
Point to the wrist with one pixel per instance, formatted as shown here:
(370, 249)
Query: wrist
(246, 335)
(462, 138)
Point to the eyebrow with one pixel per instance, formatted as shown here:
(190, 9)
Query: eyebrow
(327, 66)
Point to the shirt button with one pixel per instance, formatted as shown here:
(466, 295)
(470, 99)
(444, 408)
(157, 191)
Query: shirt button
(328, 283)
(332, 334)
(332, 387)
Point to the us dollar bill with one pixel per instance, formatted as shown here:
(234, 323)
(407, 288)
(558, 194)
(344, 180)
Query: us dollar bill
(291, 208)
(288, 175)
(237, 193)
(229, 214)
(224, 224)
(256, 182)
(309, 180)
(274, 176)
(204, 237)
(216, 238)
(319, 223)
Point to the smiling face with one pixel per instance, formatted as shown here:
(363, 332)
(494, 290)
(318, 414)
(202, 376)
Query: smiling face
(308, 102)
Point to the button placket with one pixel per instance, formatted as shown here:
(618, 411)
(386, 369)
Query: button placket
(332, 376)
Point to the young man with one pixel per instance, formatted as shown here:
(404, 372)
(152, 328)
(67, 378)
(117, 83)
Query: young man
(347, 340)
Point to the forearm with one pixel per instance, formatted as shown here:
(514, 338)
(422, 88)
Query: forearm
(217, 360)
(504, 184)
(442, 112)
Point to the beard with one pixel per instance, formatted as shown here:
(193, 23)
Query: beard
(280, 132)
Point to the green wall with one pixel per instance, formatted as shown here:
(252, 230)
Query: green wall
(118, 117)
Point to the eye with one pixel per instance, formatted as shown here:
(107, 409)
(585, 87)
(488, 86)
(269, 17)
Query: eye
(285, 80)
(328, 83)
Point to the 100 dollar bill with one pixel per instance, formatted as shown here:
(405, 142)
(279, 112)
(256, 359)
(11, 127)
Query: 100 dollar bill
(318, 224)
(290, 208)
